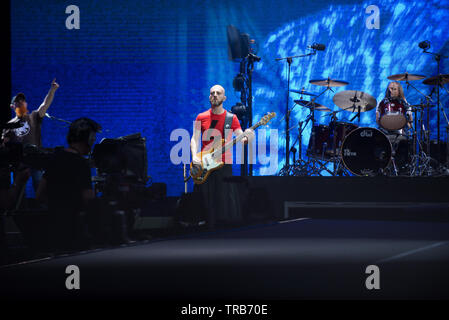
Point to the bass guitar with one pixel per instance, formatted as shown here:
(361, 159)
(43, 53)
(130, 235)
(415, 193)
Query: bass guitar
(211, 160)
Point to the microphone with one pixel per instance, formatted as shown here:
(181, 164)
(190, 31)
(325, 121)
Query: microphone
(47, 115)
(424, 45)
(317, 46)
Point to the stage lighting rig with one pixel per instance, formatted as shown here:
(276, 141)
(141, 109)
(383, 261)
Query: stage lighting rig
(240, 110)
(240, 47)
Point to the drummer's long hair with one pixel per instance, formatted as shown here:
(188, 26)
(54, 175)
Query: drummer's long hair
(401, 91)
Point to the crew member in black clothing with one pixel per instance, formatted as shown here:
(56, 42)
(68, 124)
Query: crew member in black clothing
(67, 188)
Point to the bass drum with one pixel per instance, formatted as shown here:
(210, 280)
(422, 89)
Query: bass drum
(366, 151)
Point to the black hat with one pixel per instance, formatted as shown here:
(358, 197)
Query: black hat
(19, 96)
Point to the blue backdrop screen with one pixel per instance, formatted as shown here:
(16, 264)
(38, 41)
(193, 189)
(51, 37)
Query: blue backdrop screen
(147, 66)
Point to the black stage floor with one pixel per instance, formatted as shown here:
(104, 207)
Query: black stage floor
(289, 260)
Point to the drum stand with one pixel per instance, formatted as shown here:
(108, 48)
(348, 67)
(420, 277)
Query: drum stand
(316, 166)
(287, 111)
(299, 167)
(310, 166)
(445, 167)
(420, 163)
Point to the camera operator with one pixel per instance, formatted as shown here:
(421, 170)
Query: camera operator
(67, 188)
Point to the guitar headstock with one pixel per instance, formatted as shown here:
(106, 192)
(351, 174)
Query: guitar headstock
(266, 118)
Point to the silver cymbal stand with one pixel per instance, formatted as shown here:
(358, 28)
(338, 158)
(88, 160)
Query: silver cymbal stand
(420, 162)
(287, 169)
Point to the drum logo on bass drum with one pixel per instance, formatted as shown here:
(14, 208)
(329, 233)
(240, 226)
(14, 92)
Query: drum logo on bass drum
(366, 133)
(349, 153)
(367, 172)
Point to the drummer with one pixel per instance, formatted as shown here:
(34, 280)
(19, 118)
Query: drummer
(395, 92)
(398, 138)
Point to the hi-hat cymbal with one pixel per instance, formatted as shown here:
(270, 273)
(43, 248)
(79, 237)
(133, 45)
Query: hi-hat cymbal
(406, 77)
(433, 81)
(309, 104)
(329, 83)
(303, 92)
(351, 100)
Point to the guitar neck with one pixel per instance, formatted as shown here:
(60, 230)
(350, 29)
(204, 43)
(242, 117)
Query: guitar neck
(237, 139)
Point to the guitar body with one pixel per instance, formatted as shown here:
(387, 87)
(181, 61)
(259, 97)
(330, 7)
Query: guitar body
(209, 165)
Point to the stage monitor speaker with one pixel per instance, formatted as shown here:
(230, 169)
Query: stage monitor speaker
(124, 155)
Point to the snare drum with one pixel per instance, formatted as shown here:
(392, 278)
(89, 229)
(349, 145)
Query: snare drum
(393, 114)
(366, 151)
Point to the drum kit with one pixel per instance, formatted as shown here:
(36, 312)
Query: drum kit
(401, 146)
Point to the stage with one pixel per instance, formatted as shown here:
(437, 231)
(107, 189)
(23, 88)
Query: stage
(390, 198)
(302, 258)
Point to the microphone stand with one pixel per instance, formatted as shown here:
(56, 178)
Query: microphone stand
(301, 126)
(57, 119)
(410, 85)
(287, 111)
(437, 57)
(69, 122)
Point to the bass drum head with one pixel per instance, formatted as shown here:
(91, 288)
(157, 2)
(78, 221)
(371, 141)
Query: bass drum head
(366, 151)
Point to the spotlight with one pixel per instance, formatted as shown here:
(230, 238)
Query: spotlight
(424, 45)
(239, 110)
(239, 82)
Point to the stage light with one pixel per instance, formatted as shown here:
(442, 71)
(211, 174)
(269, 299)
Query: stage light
(240, 110)
(239, 82)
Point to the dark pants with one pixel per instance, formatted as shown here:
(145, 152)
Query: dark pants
(36, 176)
(3, 245)
(220, 198)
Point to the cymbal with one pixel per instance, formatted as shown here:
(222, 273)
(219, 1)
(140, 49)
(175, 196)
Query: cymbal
(329, 83)
(309, 104)
(433, 81)
(350, 100)
(406, 76)
(303, 92)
